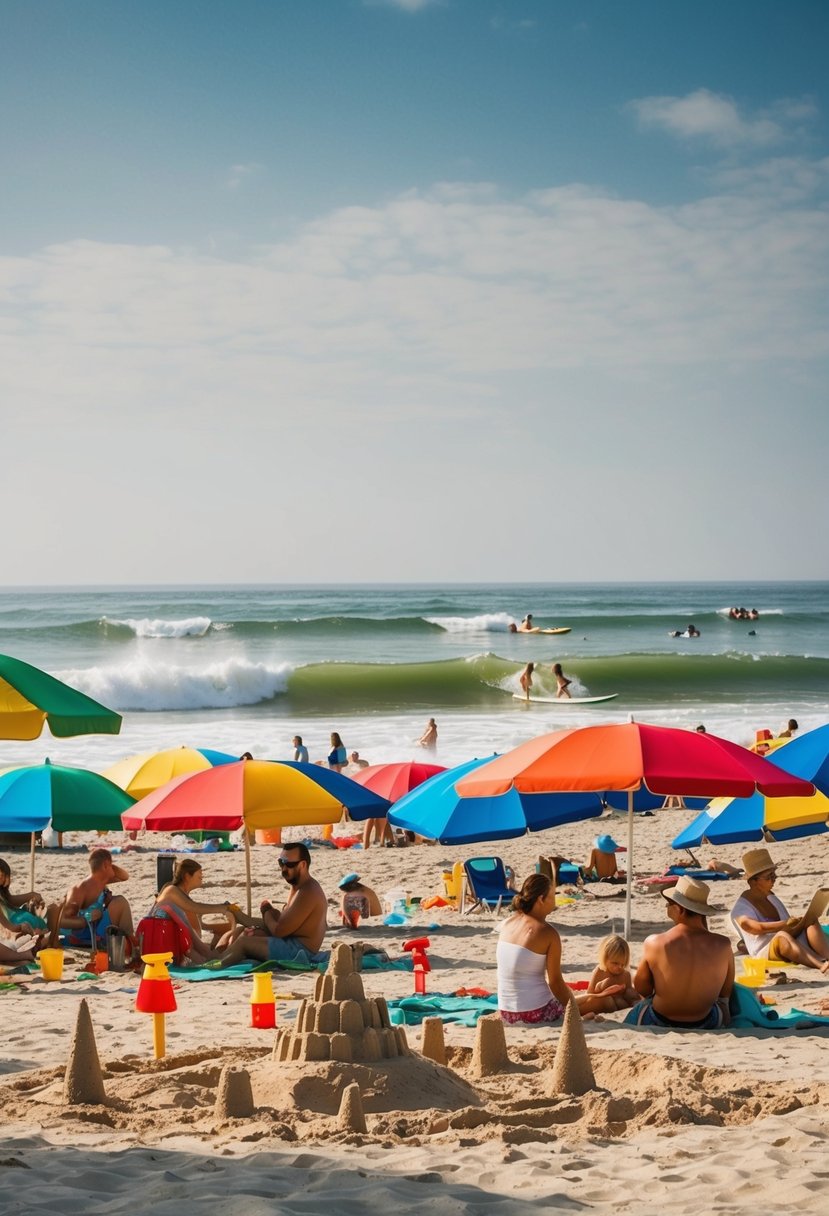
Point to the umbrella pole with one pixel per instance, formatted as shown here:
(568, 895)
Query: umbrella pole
(629, 892)
(247, 864)
(32, 864)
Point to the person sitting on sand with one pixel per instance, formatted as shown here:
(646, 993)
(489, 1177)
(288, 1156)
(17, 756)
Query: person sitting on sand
(601, 864)
(19, 913)
(531, 989)
(611, 979)
(562, 682)
(357, 902)
(175, 897)
(295, 933)
(90, 907)
(687, 973)
(764, 924)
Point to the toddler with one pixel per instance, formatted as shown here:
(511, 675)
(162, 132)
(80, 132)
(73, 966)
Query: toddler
(612, 977)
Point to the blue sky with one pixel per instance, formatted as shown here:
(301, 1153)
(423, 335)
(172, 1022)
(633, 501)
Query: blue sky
(387, 289)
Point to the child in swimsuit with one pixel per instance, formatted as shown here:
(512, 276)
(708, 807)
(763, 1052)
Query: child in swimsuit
(612, 977)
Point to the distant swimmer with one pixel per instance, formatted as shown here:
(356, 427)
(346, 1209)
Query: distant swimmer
(789, 729)
(690, 632)
(527, 625)
(562, 682)
(429, 738)
(526, 679)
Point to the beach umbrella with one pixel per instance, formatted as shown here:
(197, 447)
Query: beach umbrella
(435, 810)
(29, 698)
(393, 780)
(71, 799)
(139, 775)
(742, 820)
(259, 793)
(628, 756)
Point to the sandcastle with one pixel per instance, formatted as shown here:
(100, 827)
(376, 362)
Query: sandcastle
(340, 1023)
(341, 1037)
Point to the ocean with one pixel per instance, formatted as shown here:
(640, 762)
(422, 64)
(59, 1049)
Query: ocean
(245, 668)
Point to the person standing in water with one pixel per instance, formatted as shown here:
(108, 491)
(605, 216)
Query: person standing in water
(429, 738)
(526, 679)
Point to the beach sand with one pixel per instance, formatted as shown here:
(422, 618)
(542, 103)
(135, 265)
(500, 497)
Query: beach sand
(681, 1122)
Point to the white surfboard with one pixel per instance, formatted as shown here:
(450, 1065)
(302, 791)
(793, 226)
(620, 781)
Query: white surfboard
(519, 696)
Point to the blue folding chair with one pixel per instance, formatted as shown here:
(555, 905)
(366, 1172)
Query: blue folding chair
(486, 884)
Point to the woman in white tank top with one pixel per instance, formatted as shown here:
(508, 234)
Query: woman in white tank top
(531, 989)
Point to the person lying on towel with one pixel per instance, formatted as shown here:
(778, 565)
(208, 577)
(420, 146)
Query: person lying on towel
(687, 973)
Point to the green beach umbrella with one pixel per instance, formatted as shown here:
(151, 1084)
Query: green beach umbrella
(30, 697)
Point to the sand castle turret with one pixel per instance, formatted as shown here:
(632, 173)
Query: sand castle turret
(234, 1099)
(339, 1022)
(83, 1081)
(489, 1054)
(433, 1044)
(351, 1117)
(572, 1071)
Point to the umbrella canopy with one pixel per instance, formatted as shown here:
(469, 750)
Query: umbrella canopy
(392, 781)
(628, 756)
(742, 820)
(262, 793)
(72, 799)
(436, 811)
(738, 820)
(29, 697)
(141, 774)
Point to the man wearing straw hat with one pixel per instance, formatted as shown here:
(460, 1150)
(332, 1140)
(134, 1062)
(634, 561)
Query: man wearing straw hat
(687, 973)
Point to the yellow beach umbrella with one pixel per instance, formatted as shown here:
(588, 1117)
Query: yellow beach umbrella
(141, 774)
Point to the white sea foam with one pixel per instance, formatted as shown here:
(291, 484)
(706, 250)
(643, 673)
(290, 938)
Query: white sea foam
(190, 627)
(490, 622)
(159, 686)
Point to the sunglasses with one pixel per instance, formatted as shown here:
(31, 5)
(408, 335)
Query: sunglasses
(287, 865)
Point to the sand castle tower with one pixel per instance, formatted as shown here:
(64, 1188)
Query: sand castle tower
(83, 1080)
(343, 1039)
(340, 1023)
(572, 1072)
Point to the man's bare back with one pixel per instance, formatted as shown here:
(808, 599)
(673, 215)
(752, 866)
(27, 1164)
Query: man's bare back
(686, 970)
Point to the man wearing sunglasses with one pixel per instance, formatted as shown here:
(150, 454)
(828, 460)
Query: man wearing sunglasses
(295, 933)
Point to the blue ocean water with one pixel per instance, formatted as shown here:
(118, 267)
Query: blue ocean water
(244, 668)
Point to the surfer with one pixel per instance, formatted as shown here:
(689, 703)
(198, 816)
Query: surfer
(562, 682)
(526, 679)
(527, 625)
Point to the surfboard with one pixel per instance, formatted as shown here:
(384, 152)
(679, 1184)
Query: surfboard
(561, 629)
(519, 696)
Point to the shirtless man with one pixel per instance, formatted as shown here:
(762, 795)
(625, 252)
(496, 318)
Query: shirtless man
(295, 934)
(90, 902)
(686, 974)
(527, 625)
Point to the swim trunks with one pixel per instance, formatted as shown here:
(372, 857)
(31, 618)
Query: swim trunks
(93, 930)
(291, 950)
(644, 1014)
(551, 1012)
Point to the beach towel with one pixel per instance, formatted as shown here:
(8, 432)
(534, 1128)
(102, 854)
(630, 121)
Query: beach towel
(703, 875)
(371, 962)
(462, 1010)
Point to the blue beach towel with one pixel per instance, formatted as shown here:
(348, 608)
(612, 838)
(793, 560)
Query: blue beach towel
(371, 962)
(704, 875)
(462, 1010)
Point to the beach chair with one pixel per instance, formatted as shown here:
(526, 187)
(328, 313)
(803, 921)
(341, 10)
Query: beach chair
(486, 885)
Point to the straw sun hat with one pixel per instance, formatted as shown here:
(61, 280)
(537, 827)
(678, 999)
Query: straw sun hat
(691, 894)
(755, 861)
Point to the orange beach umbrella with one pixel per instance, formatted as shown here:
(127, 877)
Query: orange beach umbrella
(628, 756)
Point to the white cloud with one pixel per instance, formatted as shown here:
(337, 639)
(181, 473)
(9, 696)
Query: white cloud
(712, 116)
(238, 174)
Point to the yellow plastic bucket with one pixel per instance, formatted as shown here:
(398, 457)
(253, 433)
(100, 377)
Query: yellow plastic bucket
(51, 964)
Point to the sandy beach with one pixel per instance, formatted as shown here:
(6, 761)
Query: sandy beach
(688, 1121)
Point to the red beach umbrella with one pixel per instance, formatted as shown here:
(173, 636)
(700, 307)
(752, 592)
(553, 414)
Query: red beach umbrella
(392, 781)
(628, 756)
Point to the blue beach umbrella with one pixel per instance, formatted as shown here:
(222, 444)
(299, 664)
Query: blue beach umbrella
(744, 820)
(435, 810)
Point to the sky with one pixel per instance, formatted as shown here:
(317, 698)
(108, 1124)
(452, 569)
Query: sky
(413, 290)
